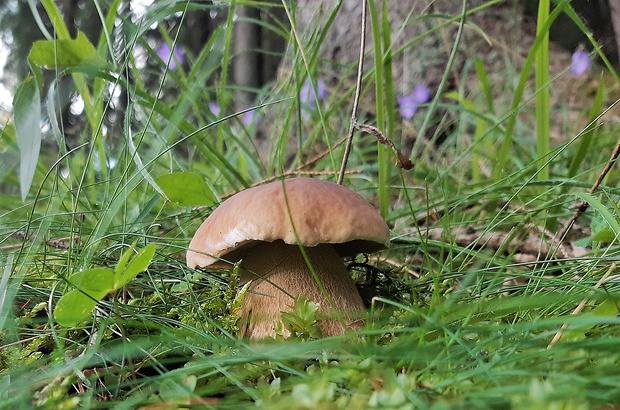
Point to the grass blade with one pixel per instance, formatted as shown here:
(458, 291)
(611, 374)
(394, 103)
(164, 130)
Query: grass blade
(27, 114)
(542, 84)
(500, 168)
(589, 133)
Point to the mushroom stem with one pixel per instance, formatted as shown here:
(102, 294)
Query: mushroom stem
(279, 273)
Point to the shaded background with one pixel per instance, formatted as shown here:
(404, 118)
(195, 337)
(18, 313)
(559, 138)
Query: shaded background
(262, 34)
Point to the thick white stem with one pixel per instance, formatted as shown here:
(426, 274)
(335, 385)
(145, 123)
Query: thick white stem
(280, 273)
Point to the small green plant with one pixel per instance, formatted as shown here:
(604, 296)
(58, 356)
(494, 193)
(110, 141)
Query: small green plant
(92, 285)
(303, 322)
(186, 189)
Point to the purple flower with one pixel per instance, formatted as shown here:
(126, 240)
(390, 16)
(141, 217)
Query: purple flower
(580, 62)
(214, 108)
(308, 98)
(250, 117)
(307, 92)
(408, 104)
(166, 56)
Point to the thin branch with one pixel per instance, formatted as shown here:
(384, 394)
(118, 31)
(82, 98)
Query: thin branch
(356, 99)
(403, 161)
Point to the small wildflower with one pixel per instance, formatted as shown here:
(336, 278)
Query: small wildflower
(580, 62)
(214, 108)
(250, 117)
(306, 95)
(408, 104)
(307, 90)
(166, 56)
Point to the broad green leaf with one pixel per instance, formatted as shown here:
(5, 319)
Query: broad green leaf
(597, 205)
(27, 114)
(72, 53)
(122, 262)
(607, 308)
(186, 189)
(94, 281)
(75, 307)
(604, 235)
(92, 286)
(138, 264)
(601, 231)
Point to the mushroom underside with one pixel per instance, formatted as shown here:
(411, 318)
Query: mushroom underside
(279, 273)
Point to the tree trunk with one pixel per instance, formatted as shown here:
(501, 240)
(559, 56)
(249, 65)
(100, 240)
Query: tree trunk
(200, 25)
(246, 69)
(614, 6)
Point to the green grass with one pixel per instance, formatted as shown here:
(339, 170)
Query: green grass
(454, 320)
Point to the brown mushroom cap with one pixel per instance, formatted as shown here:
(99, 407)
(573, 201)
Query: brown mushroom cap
(321, 211)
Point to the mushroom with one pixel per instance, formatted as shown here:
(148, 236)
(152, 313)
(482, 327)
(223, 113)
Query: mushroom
(265, 226)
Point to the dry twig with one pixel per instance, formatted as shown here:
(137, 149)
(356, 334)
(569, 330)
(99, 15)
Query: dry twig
(403, 161)
(356, 99)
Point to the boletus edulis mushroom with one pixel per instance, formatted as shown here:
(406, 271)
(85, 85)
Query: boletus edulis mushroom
(265, 226)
